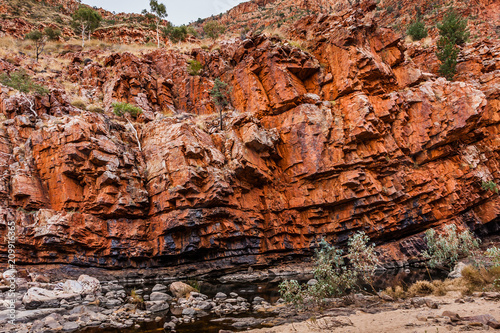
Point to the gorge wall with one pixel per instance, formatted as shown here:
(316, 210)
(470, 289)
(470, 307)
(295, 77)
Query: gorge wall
(357, 134)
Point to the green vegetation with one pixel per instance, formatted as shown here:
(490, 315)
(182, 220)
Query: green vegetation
(490, 186)
(176, 34)
(417, 30)
(160, 12)
(213, 29)
(52, 34)
(494, 254)
(334, 276)
(453, 32)
(85, 20)
(194, 67)
(121, 109)
(39, 40)
(447, 53)
(446, 249)
(220, 96)
(454, 28)
(23, 83)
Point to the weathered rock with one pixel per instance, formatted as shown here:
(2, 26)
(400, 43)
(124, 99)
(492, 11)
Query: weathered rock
(159, 288)
(457, 271)
(352, 134)
(158, 296)
(72, 287)
(181, 289)
(37, 298)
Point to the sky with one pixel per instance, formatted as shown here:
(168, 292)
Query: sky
(179, 11)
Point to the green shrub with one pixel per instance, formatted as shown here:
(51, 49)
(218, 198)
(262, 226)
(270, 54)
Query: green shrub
(52, 34)
(454, 28)
(453, 31)
(192, 31)
(446, 249)
(494, 254)
(334, 276)
(194, 67)
(21, 81)
(417, 30)
(490, 186)
(447, 53)
(176, 34)
(120, 109)
(213, 29)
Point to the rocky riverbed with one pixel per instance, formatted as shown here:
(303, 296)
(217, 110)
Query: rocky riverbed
(74, 305)
(233, 302)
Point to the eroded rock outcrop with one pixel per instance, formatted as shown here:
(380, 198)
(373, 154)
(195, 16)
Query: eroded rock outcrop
(351, 136)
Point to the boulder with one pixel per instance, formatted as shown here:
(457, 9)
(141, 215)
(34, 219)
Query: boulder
(72, 287)
(158, 296)
(90, 285)
(37, 298)
(181, 289)
(457, 271)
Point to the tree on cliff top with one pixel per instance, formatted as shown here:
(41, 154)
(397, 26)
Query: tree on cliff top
(85, 20)
(160, 12)
(22, 82)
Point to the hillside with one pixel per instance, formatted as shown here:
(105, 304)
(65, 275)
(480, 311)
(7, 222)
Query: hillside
(336, 124)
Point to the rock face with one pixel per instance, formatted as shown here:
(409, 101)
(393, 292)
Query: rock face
(351, 136)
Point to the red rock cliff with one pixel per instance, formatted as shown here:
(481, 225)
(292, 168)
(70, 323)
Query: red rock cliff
(352, 136)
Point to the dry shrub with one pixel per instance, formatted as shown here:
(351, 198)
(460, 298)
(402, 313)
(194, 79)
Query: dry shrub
(421, 288)
(396, 292)
(476, 278)
(300, 44)
(78, 103)
(95, 108)
(439, 288)
(495, 272)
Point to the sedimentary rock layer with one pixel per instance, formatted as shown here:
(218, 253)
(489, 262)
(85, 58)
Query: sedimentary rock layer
(352, 135)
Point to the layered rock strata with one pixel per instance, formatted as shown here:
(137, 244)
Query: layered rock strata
(351, 136)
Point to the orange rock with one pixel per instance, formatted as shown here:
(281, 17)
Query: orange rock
(357, 134)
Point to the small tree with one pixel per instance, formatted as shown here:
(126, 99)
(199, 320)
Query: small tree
(194, 67)
(453, 31)
(213, 29)
(23, 83)
(446, 249)
(176, 34)
(39, 40)
(334, 276)
(160, 12)
(124, 110)
(220, 96)
(447, 53)
(86, 20)
(52, 34)
(454, 28)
